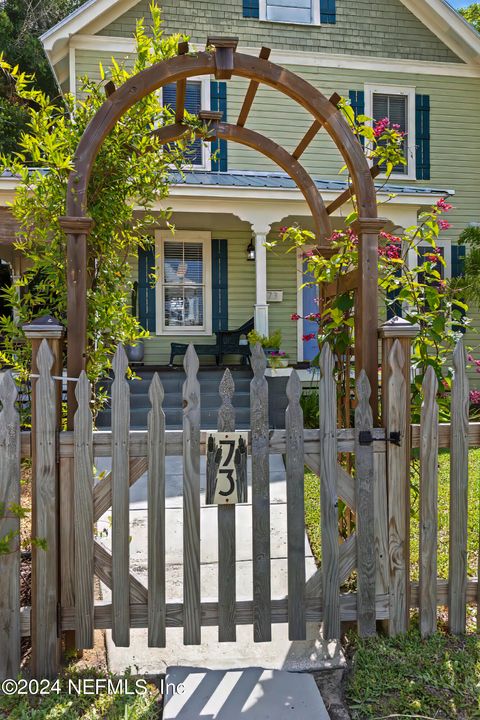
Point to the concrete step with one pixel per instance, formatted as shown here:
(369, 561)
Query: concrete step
(174, 418)
(252, 692)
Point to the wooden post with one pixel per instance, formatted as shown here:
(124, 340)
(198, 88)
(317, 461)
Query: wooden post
(45, 660)
(77, 230)
(396, 336)
(366, 305)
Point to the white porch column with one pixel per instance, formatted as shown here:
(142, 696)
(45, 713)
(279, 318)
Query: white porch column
(261, 307)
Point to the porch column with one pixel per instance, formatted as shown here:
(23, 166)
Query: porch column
(261, 307)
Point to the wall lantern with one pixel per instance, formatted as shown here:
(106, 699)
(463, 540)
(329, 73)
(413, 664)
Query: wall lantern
(251, 251)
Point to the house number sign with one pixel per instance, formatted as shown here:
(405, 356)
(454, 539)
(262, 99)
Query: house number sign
(226, 468)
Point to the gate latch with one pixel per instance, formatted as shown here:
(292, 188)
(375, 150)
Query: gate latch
(365, 437)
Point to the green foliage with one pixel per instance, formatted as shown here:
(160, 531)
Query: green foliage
(7, 541)
(427, 300)
(21, 23)
(471, 13)
(142, 702)
(470, 284)
(272, 341)
(410, 677)
(309, 402)
(131, 173)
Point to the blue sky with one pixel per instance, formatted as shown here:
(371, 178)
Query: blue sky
(459, 3)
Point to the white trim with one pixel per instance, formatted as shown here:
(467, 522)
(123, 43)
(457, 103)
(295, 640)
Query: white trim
(300, 273)
(72, 72)
(295, 57)
(205, 237)
(315, 8)
(412, 258)
(377, 89)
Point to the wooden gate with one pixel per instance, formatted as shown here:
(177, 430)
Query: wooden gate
(377, 550)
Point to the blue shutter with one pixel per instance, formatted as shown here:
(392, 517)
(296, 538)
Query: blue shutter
(251, 8)
(219, 285)
(458, 261)
(146, 289)
(357, 101)
(193, 105)
(218, 102)
(328, 12)
(458, 270)
(422, 136)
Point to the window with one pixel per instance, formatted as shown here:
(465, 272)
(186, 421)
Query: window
(398, 104)
(197, 97)
(184, 287)
(305, 12)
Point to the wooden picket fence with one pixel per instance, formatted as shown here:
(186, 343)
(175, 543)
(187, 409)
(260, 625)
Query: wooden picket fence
(68, 504)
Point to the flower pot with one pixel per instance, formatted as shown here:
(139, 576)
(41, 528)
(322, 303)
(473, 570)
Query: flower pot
(135, 353)
(277, 361)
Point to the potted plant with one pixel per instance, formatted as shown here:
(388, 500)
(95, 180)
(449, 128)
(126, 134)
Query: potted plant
(278, 359)
(270, 343)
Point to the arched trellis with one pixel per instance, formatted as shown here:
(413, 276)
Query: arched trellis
(223, 62)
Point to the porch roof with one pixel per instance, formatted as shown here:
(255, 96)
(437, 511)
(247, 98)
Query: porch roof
(279, 180)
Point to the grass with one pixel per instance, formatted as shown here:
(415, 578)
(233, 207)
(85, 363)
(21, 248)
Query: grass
(407, 677)
(312, 514)
(70, 706)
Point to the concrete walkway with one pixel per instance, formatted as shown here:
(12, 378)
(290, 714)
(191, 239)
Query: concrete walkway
(278, 654)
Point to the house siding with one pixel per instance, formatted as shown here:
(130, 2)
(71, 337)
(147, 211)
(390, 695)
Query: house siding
(363, 27)
(454, 121)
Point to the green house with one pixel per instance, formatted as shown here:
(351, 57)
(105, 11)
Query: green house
(415, 61)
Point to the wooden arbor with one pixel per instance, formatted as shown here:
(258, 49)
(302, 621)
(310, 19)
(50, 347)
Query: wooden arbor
(222, 61)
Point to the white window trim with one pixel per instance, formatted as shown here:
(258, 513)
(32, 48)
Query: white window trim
(205, 238)
(370, 90)
(447, 256)
(300, 273)
(315, 11)
(205, 105)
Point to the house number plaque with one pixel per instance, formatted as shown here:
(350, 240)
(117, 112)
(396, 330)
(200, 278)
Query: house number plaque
(226, 468)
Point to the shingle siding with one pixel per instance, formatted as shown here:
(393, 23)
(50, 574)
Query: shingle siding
(363, 27)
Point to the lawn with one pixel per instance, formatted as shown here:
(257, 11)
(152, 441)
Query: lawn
(405, 676)
(67, 705)
(312, 514)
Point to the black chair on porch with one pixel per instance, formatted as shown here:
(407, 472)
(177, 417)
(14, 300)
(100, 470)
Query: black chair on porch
(228, 342)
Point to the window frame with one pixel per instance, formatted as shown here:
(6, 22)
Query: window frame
(184, 236)
(372, 89)
(413, 258)
(314, 21)
(205, 105)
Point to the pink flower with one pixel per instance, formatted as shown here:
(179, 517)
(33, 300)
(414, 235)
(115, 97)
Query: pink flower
(477, 363)
(475, 397)
(380, 127)
(470, 358)
(444, 224)
(283, 230)
(295, 316)
(443, 205)
(309, 336)
(308, 253)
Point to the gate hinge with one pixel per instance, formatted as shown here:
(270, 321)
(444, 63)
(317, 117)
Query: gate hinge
(365, 437)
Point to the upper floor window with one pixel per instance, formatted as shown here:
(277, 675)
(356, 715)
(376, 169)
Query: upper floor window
(306, 12)
(398, 105)
(197, 97)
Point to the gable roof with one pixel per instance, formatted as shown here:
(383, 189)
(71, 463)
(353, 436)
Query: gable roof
(437, 15)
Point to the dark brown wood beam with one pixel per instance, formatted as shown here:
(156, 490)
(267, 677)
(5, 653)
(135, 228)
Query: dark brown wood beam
(251, 92)
(312, 131)
(109, 88)
(181, 87)
(224, 50)
(345, 283)
(347, 194)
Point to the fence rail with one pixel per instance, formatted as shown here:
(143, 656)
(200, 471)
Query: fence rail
(378, 549)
